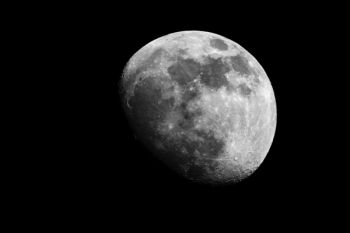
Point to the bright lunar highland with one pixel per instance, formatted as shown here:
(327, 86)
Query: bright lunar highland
(202, 104)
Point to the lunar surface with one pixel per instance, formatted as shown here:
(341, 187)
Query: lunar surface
(202, 104)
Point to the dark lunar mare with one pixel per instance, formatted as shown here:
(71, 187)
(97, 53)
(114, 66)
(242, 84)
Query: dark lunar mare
(142, 96)
(211, 146)
(184, 71)
(240, 64)
(133, 75)
(148, 109)
(211, 74)
(218, 44)
(208, 149)
(244, 90)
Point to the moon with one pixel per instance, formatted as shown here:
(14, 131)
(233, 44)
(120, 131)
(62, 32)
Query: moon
(202, 104)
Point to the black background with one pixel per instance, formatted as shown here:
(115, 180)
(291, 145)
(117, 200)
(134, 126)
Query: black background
(97, 167)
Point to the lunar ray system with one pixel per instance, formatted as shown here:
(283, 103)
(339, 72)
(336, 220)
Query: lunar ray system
(202, 104)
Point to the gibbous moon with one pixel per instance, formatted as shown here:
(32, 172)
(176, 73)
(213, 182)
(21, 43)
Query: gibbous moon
(202, 104)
